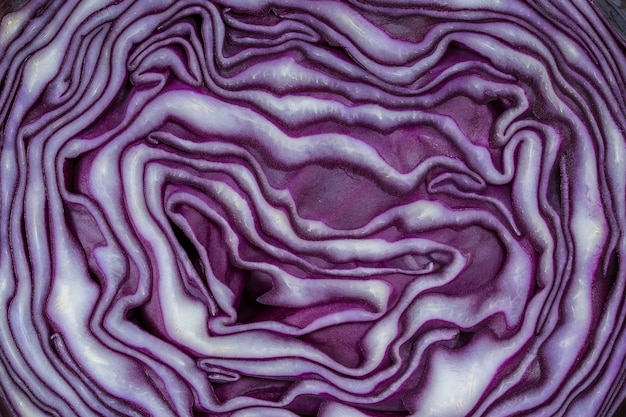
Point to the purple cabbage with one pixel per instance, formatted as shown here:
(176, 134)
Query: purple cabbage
(312, 208)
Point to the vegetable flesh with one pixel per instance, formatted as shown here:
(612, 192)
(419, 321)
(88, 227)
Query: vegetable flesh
(311, 208)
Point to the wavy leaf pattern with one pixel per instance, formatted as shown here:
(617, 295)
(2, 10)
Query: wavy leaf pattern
(311, 208)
